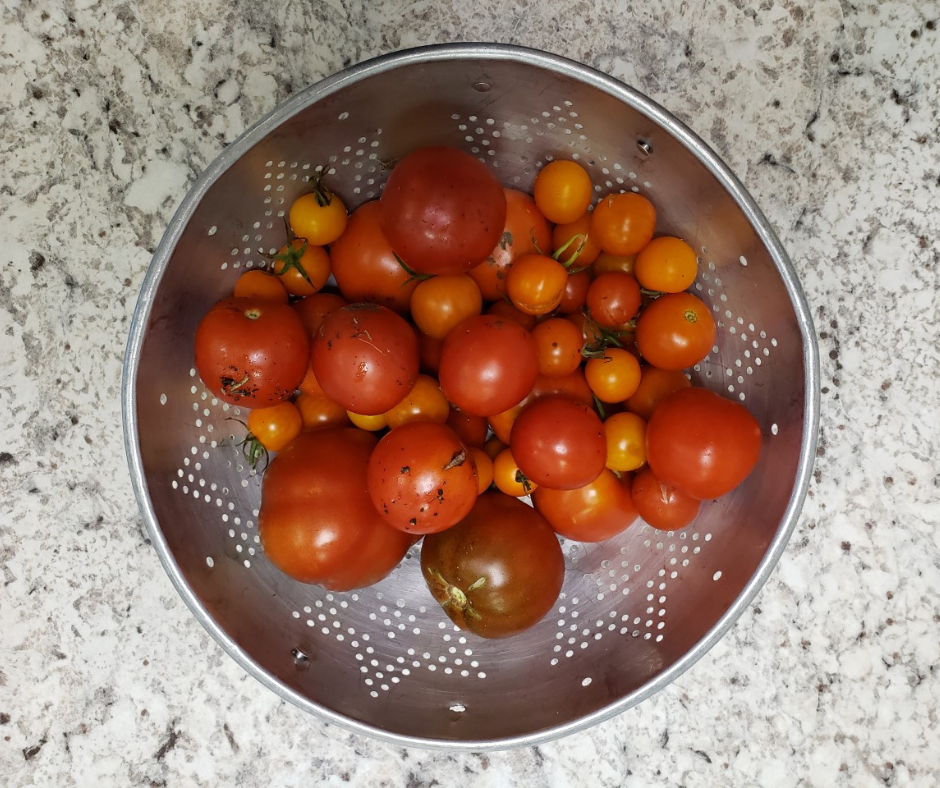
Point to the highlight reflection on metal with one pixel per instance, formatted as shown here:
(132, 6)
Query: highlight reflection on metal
(635, 612)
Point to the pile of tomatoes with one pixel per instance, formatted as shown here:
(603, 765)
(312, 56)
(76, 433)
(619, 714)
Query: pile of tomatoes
(421, 365)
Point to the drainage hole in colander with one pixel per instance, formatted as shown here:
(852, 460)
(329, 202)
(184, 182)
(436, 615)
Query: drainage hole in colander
(299, 657)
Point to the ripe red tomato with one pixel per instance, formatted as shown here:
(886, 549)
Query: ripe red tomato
(536, 283)
(597, 511)
(662, 506)
(317, 411)
(559, 443)
(676, 331)
(471, 429)
(442, 210)
(613, 299)
(503, 308)
(622, 224)
(366, 358)
(316, 523)
(497, 572)
(422, 478)
(487, 365)
(364, 265)
(575, 294)
(526, 231)
(702, 443)
(251, 352)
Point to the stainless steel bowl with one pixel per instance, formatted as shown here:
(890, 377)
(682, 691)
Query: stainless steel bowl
(636, 611)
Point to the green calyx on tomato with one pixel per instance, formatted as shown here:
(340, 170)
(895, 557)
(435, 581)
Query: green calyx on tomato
(453, 599)
(413, 276)
(603, 337)
(291, 257)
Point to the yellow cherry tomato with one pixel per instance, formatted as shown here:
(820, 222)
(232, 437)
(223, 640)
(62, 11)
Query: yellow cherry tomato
(276, 426)
(626, 441)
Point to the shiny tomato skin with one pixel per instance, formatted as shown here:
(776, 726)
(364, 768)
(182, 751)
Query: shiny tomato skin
(662, 506)
(488, 364)
(366, 357)
(622, 224)
(497, 572)
(422, 478)
(594, 512)
(525, 231)
(575, 295)
(702, 443)
(559, 443)
(316, 522)
(442, 210)
(676, 331)
(441, 302)
(251, 352)
(364, 264)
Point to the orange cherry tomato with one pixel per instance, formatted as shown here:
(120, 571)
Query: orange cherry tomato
(676, 331)
(425, 402)
(584, 244)
(441, 302)
(319, 217)
(559, 347)
(508, 478)
(613, 377)
(261, 285)
(563, 191)
(526, 231)
(626, 450)
(310, 384)
(666, 264)
(302, 268)
(318, 411)
(536, 283)
(484, 468)
(655, 385)
(493, 446)
(623, 224)
(276, 426)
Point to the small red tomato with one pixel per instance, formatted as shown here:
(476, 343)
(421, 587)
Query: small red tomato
(663, 506)
(559, 443)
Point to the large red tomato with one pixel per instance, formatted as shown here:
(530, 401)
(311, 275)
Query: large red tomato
(316, 523)
(365, 267)
(498, 571)
(592, 513)
(487, 364)
(366, 358)
(702, 443)
(251, 352)
(422, 478)
(442, 210)
(559, 443)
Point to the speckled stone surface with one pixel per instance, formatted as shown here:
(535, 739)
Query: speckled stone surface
(829, 113)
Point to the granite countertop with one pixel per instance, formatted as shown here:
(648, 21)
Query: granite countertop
(828, 112)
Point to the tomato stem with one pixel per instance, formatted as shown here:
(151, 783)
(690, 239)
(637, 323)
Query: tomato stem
(320, 190)
(291, 257)
(600, 407)
(412, 274)
(252, 448)
(577, 252)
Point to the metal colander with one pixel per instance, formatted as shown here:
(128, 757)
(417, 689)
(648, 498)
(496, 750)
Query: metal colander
(635, 611)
